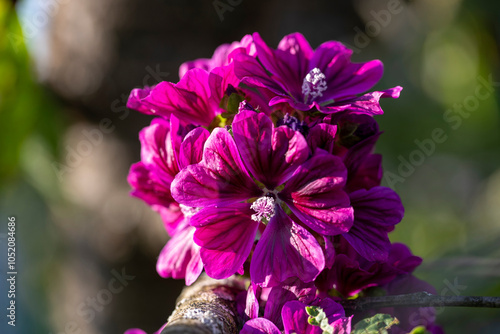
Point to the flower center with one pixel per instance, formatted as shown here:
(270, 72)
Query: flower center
(188, 211)
(264, 209)
(294, 124)
(314, 85)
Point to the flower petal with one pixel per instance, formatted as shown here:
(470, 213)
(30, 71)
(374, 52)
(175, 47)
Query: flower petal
(376, 211)
(180, 258)
(288, 63)
(347, 79)
(295, 316)
(291, 289)
(314, 194)
(252, 301)
(148, 186)
(157, 149)
(136, 100)
(270, 154)
(219, 179)
(219, 79)
(189, 99)
(226, 236)
(322, 136)
(285, 250)
(191, 148)
(367, 103)
(251, 73)
(259, 326)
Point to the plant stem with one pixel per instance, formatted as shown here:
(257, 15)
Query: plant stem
(419, 299)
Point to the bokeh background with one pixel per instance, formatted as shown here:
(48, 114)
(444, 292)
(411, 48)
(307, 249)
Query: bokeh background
(67, 141)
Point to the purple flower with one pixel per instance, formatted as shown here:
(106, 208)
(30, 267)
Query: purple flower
(352, 273)
(290, 290)
(134, 331)
(221, 56)
(234, 204)
(180, 258)
(305, 78)
(194, 99)
(295, 319)
(166, 148)
(260, 326)
(376, 211)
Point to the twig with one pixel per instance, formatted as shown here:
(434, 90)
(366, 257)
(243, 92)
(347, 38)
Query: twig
(207, 307)
(419, 299)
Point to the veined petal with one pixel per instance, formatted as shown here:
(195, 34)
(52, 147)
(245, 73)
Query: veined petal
(358, 160)
(285, 250)
(259, 326)
(314, 194)
(136, 101)
(322, 136)
(291, 289)
(252, 301)
(219, 80)
(221, 57)
(226, 237)
(219, 179)
(288, 62)
(157, 151)
(191, 148)
(189, 99)
(270, 154)
(376, 211)
(252, 73)
(331, 58)
(368, 103)
(347, 79)
(180, 258)
(148, 186)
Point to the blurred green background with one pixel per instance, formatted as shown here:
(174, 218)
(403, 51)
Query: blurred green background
(67, 66)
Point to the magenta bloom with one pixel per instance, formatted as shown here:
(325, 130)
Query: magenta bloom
(305, 78)
(234, 205)
(180, 258)
(194, 99)
(290, 290)
(295, 317)
(167, 147)
(376, 211)
(221, 56)
(352, 273)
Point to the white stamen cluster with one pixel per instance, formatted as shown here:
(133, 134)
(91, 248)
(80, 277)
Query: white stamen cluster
(188, 211)
(264, 208)
(314, 85)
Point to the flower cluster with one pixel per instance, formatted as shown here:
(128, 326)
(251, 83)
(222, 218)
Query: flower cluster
(260, 162)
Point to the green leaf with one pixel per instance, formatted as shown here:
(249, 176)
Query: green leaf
(378, 324)
(313, 311)
(233, 103)
(419, 330)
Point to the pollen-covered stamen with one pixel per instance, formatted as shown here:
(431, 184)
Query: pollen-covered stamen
(264, 208)
(314, 85)
(188, 211)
